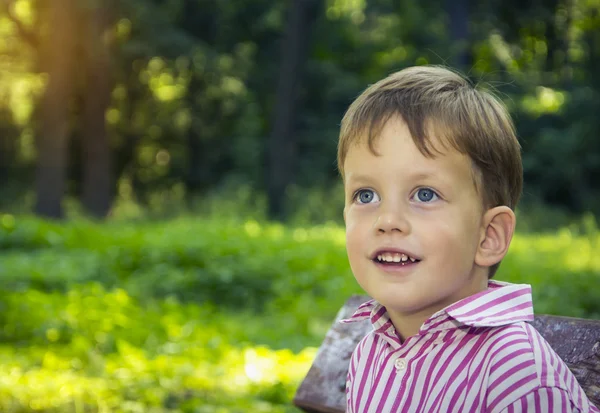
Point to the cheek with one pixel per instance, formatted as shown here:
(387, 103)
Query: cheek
(456, 237)
(351, 236)
(355, 237)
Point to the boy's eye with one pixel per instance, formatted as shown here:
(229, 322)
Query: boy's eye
(425, 195)
(366, 196)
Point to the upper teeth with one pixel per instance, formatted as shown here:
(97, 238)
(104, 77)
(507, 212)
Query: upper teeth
(394, 257)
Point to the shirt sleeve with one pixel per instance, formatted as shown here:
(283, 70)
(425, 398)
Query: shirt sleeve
(543, 400)
(349, 380)
(348, 403)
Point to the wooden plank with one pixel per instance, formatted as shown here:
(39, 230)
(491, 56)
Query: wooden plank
(323, 389)
(576, 341)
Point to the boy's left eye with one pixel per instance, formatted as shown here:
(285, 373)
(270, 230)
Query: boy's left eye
(425, 195)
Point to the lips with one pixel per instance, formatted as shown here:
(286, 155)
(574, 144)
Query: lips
(394, 257)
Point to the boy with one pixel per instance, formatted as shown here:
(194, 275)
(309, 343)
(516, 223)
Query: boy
(432, 174)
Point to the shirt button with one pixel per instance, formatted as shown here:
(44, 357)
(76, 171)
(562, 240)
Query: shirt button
(400, 364)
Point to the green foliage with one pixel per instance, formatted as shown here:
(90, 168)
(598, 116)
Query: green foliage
(204, 314)
(204, 261)
(101, 350)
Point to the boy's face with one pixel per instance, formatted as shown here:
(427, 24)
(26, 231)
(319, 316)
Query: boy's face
(402, 206)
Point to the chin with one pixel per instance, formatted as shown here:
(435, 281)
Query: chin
(400, 303)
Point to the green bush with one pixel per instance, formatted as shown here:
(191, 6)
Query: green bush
(98, 350)
(196, 260)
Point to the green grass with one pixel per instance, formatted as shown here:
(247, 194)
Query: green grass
(202, 315)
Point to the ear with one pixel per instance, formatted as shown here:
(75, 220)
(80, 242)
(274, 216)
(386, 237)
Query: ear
(498, 226)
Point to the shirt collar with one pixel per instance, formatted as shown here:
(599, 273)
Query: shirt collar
(501, 304)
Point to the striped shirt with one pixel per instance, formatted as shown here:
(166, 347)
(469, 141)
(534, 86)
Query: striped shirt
(476, 355)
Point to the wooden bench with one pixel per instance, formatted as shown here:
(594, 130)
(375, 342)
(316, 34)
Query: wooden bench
(577, 342)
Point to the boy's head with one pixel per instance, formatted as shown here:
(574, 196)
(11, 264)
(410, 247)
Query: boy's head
(432, 171)
(442, 110)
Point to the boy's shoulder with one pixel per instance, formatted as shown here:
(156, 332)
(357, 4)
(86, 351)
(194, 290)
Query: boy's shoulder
(520, 344)
(522, 364)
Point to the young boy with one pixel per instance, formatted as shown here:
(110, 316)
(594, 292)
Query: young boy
(432, 174)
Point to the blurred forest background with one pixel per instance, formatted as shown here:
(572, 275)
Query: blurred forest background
(187, 148)
(165, 103)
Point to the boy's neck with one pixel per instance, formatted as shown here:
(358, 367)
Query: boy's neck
(409, 324)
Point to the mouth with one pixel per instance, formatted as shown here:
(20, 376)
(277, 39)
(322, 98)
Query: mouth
(394, 258)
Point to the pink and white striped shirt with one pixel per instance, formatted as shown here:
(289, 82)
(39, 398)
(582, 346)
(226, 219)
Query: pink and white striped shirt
(476, 355)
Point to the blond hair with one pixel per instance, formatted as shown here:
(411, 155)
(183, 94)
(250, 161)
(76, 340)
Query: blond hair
(437, 101)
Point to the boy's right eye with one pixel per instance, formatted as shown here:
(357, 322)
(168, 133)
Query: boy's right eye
(366, 196)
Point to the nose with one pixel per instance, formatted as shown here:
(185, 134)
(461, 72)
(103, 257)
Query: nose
(392, 219)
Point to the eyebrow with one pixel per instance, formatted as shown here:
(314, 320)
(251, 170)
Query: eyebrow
(359, 178)
(425, 175)
(418, 176)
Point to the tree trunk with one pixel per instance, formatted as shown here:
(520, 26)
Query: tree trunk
(195, 170)
(8, 154)
(282, 145)
(458, 15)
(195, 173)
(97, 186)
(568, 66)
(57, 60)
